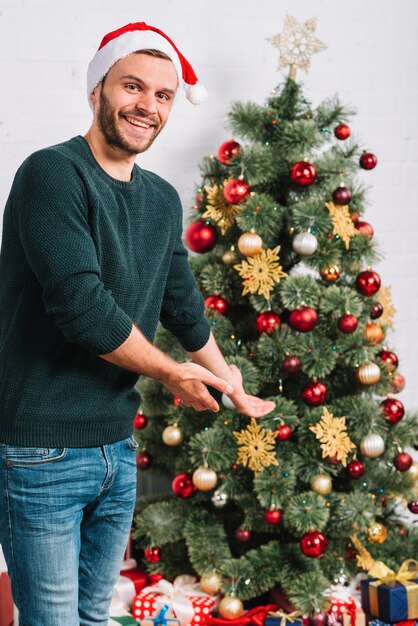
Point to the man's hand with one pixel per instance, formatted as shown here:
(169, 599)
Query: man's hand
(244, 403)
(188, 381)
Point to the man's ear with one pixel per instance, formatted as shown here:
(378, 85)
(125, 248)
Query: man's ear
(94, 96)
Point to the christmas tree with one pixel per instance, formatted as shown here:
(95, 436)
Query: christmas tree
(285, 261)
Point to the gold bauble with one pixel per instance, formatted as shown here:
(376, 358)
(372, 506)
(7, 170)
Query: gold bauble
(377, 533)
(172, 435)
(229, 257)
(204, 478)
(210, 583)
(230, 607)
(250, 244)
(413, 471)
(373, 333)
(368, 373)
(321, 484)
(330, 273)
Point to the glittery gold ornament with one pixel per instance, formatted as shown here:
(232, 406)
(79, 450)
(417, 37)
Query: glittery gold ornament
(230, 607)
(342, 222)
(261, 272)
(376, 533)
(210, 583)
(218, 209)
(373, 333)
(250, 244)
(321, 484)
(257, 447)
(332, 435)
(204, 478)
(368, 373)
(385, 298)
(172, 435)
(229, 257)
(330, 273)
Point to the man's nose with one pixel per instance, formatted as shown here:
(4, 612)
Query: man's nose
(147, 102)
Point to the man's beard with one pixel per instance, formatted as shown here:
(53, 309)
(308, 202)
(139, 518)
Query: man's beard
(107, 122)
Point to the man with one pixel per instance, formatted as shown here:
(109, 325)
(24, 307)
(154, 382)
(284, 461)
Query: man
(91, 259)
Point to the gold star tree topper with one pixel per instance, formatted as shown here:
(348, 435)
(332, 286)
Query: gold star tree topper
(297, 44)
(257, 447)
(332, 435)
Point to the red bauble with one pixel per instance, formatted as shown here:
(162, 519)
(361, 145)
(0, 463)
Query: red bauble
(368, 161)
(183, 486)
(377, 311)
(342, 131)
(342, 195)
(201, 237)
(153, 555)
(283, 432)
(368, 282)
(273, 516)
(320, 618)
(177, 401)
(390, 359)
(267, 322)
(303, 173)
(314, 394)
(314, 544)
(364, 228)
(397, 383)
(355, 469)
(291, 364)
(218, 303)
(413, 506)
(229, 152)
(348, 323)
(242, 535)
(143, 460)
(140, 421)
(393, 410)
(402, 461)
(303, 319)
(236, 190)
(154, 578)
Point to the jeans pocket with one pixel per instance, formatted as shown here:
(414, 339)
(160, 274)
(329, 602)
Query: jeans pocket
(24, 455)
(132, 443)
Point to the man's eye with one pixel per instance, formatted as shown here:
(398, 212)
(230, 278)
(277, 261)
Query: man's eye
(163, 96)
(132, 87)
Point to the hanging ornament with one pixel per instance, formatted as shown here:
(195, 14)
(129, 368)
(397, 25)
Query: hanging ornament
(227, 402)
(393, 409)
(153, 555)
(217, 303)
(368, 373)
(347, 323)
(305, 244)
(314, 544)
(413, 470)
(219, 499)
(273, 516)
(261, 272)
(172, 435)
(210, 583)
(140, 421)
(143, 460)
(320, 618)
(183, 486)
(198, 200)
(376, 533)
(154, 578)
(250, 244)
(256, 447)
(291, 364)
(355, 469)
(368, 282)
(397, 383)
(330, 273)
(177, 401)
(201, 237)
(331, 433)
(204, 478)
(283, 432)
(373, 333)
(242, 535)
(342, 196)
(413, 506)
(236, 190)
(368, 161)
(229, 257)
(402, 461)
(218, 209)
(372, 445)
(230, 607)
(321, 484)
(267, 322)
(303, 173)
(377, 311)
(364, 228)
(314, 393)
(230, 152)
(303, 319)
(342, 223)
(390, 359)
(342, 131)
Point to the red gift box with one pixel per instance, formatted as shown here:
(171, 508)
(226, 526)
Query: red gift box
(6, 602)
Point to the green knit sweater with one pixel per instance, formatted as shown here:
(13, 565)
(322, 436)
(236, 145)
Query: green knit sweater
(83, 256)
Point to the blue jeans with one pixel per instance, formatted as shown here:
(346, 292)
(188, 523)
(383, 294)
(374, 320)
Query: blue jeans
(65, 517)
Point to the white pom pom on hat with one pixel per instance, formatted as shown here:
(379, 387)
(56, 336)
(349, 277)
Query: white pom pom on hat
(134, 38)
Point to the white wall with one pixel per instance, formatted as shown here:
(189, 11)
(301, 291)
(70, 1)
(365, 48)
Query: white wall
(371, 61)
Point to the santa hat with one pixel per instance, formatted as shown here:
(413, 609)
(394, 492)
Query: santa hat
(133, 38)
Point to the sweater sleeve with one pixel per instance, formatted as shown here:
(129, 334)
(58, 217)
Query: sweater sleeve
(51, 216)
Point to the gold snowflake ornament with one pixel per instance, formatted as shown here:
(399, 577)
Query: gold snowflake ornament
(257, 447)
(342, 222)
(297, 44)
(218, 208)
(261, 272)
(385, 298)
(331, 432)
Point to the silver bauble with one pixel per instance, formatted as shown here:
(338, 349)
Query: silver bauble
(305, 244)
(372, 445)
(227, 402)
(219, 499)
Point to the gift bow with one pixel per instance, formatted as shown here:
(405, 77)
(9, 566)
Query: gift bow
(175, 595)
(286, 617)
(407, 571)
(256, 616)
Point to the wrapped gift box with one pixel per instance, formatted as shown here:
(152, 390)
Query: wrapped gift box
(358, 618)
(124, 620)
(378, 622)
(394, 602)
(272, 620)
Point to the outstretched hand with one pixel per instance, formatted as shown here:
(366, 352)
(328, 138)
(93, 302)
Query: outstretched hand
(244, 403)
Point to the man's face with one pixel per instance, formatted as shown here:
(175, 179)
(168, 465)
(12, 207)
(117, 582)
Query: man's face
(132, 105)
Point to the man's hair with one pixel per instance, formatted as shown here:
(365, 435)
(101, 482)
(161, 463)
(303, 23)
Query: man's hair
(150, 52)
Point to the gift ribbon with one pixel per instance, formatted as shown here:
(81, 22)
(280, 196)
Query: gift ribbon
(255, 616)
(405, 575)
(286, 617)
(124, 590)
